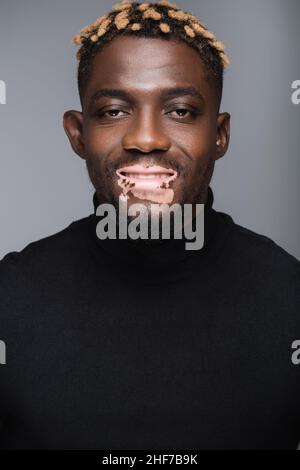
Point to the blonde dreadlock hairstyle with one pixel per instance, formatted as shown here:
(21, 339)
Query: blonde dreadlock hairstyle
(154, 20)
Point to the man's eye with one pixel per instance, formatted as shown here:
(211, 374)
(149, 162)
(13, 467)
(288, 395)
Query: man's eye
(182, 113)
(110, 113)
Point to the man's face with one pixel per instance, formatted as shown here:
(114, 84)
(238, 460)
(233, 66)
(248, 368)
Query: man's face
(150, 128)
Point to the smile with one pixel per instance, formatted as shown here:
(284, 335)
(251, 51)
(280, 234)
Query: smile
(154, 176)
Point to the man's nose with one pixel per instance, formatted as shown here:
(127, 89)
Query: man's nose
(146, 134)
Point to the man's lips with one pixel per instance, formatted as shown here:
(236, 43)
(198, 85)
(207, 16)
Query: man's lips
(154, 176)
(147, 182)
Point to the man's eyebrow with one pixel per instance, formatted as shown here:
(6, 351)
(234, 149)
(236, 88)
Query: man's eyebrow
(166, 92)
(182, 91)
(110, 93)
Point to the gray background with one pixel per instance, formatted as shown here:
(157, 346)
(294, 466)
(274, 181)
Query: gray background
(44, 186)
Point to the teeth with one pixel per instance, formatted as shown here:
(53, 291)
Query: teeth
(147, 175)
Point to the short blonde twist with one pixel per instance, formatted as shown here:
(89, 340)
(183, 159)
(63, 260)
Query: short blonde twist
(178, 15)
(151, 13)
(122, 20)
(136, 26)
(168, 4)
(131, 16)
(189, 31)
(143, 6)
(165, 28)
(121, 6)
(98, 21)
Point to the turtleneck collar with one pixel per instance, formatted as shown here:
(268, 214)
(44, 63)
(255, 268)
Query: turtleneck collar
(163, 261)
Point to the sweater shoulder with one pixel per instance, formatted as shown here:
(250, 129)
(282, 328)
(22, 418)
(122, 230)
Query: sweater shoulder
(262, 245)
(260, 259)
(52, 247)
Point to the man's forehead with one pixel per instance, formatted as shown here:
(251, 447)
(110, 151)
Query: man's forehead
(128, 55)
(147, 65)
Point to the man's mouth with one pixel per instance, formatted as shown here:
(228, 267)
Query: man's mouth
(147, 176)
(147, 182)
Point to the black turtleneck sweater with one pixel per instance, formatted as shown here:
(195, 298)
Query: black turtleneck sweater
(118, 345)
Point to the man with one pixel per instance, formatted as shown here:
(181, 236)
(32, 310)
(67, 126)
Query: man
(115, 343)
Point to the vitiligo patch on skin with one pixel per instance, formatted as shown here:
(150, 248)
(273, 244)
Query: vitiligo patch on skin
(161, 196)
(147, 182)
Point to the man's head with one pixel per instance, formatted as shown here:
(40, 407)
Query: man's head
(150, 81)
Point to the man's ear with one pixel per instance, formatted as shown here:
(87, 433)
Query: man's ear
(72, 123)
(223, 134)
